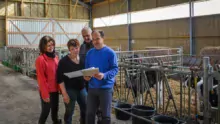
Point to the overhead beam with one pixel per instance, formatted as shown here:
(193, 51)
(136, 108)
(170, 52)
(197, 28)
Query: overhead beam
(104, 2)
(83, 4)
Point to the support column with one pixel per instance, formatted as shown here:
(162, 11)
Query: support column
(191, 28)
(90, 15)
(6, 22)
(129, 25)
(22, 7)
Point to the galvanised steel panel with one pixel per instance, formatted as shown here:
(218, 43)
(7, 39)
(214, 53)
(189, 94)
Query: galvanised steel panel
(22, 31)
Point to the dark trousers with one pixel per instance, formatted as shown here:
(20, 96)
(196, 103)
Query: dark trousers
(98, 112)
(101, 98)
(46, 107)
(80, 97)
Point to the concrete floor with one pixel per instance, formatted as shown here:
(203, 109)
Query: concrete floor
(20, 102)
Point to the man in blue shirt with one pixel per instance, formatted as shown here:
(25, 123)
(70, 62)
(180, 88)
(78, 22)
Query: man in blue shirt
(101, 84)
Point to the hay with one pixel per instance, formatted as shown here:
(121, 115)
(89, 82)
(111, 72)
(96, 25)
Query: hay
(175, 89)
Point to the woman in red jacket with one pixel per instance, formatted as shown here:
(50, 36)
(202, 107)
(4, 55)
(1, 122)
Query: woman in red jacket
(46, 66)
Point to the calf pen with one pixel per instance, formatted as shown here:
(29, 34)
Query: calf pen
(159, 85)
(151, 84)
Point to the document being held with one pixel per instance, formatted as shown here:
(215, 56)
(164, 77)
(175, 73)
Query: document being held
(85, 72)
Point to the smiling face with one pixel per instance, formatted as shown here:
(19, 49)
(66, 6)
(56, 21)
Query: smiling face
(97, 40)
(86, 34)
(49, 47)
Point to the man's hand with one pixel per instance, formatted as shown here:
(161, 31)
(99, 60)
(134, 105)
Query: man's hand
(66, 98)
(46, 100)
(99, 76)
(87, 78)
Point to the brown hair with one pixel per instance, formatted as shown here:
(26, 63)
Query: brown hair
(73, 42)
(43, 43)
(100, 32)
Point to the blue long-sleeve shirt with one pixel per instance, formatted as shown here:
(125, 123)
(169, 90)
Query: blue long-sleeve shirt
(106, 60)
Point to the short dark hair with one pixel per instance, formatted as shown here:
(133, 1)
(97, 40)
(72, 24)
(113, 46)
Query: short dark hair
(73, 42)
(43, 43)
(100, 32)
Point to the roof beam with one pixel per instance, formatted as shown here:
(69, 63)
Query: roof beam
(83, 4)
(104, 2)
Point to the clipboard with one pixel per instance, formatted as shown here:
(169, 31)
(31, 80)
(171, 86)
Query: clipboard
(85, 72)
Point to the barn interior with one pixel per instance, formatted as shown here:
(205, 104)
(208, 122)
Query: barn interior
(167, 51)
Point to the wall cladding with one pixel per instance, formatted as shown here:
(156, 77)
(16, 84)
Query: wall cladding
(120, 6)
(170, 33)
(21, 35)
(45, 8)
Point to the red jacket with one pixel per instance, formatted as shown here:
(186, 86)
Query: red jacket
(46, 75)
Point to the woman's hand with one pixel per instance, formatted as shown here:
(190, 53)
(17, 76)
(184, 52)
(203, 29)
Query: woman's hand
(99, 76)
(66, 98)
(47, 100)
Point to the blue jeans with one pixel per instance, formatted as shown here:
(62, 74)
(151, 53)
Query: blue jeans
(99, 98)
(80, 97)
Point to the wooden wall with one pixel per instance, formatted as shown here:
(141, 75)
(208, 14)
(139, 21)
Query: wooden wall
(120, 6)
(170, 33)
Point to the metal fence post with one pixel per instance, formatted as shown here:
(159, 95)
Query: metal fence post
(206, 90)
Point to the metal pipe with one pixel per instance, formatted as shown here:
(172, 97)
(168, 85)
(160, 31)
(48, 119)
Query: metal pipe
(151, 69)
(191, 29)
(189, 96)
(157, 96)
(146, 50)
(195, 84)
(153, 57)
(181, 56)
(218, 101)
(90, 15)
(206, 90)
(181, 95)
(129, 25)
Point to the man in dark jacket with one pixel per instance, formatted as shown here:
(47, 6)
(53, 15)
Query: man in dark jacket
(87, 44)
(85, 47)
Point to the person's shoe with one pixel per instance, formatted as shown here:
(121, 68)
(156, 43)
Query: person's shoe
(99, 122)
(82, 121)
(99, 119)
(59, 121)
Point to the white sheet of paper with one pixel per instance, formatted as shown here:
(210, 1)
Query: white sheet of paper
(85, 72)
(74, 74)
(90, 71)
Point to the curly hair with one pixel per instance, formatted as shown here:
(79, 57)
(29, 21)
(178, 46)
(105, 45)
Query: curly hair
(43, 43)
(73, 42)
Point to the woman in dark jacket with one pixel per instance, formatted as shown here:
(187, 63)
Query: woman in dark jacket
(73, 89)
(46, 66)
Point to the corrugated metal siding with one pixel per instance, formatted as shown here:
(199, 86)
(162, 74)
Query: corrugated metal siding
(32, 28)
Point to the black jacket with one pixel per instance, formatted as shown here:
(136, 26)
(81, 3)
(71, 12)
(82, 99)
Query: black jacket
(67, 65)
(84, 48)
